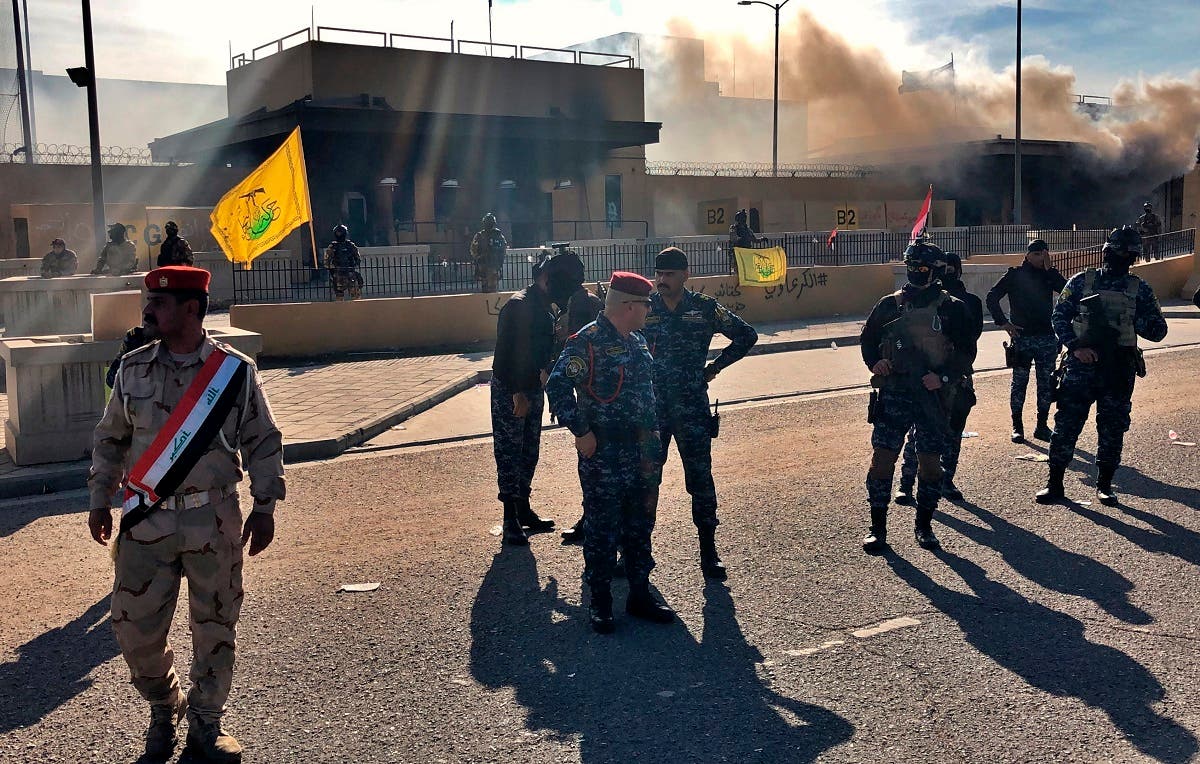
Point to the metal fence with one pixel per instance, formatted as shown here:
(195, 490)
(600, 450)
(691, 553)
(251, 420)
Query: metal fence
(1165, 245)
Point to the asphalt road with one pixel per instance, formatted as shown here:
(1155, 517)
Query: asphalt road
(1064, 633)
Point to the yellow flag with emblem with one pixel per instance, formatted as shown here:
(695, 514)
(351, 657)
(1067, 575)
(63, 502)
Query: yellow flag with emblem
(761, 267)
(256, 214)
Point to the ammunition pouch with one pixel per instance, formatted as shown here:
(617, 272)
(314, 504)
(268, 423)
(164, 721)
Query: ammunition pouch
(714, 425)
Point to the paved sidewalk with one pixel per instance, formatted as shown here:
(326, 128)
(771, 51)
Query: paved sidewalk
(325, 408)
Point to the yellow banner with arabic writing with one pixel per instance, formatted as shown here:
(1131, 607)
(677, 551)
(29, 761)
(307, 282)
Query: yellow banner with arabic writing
(761, 267)
(256, 214)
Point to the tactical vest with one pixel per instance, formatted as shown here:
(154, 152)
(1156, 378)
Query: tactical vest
(1119, 309)
(919, 329)
(343, 255)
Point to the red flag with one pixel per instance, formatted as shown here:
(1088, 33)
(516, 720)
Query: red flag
(923, 217)
(832, 236)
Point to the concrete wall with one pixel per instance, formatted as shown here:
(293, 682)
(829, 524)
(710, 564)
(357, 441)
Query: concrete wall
(1169, 277)
(418, 80)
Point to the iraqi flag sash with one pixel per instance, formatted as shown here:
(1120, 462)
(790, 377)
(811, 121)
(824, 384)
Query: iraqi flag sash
(185, 436)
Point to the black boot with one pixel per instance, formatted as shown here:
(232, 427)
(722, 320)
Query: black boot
(950, 491)
(923, 530)
(574, 534)
(1104, 489)
(1043, 431)
(529, 519)
(710, 562)
(600, 612)
(1054, 491)
(904, 496)
(1018, 433)
(643, 604)
(514, 534)
(876, 540)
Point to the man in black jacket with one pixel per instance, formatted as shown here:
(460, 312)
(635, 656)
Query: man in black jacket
(1030, 289)
(524, 352)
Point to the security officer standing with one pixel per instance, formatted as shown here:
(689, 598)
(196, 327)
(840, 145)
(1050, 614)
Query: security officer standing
(342, 260)
(175, 249)
(919, 344)
(194, 527)
(119, 256)
(961, 403)
(488, 252)
(1098, 318)
(602, 390)
(524, 353)
(1030, 290)
(1149, 225)
(59, 261)
(741, 235)
(679, 330)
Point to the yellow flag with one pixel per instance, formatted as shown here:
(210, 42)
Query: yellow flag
(761, 267)
(257, 213)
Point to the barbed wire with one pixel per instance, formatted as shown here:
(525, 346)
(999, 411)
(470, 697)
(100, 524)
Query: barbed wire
(759, 169)
(62, 153)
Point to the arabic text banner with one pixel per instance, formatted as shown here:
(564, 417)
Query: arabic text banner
(270, 203)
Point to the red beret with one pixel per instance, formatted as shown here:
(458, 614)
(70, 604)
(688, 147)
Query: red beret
(631, 283)
(178, 278)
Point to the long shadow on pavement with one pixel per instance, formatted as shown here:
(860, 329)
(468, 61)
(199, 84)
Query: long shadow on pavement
(647, 693)
(13, 519)
(1049, 565)
(53, 667)
(1166, 537)
(1048, 650)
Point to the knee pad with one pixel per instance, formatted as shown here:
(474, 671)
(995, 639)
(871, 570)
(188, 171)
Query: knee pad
(883, 464)
(929, 468)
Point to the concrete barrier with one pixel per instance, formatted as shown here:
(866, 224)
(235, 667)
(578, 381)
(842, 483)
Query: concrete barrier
(34, 306)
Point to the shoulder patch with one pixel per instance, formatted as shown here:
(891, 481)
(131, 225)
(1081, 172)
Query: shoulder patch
(575, 367)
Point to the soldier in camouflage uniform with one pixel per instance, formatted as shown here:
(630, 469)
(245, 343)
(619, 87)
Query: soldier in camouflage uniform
(961, 403)
(488, 251)
(919, 344)
(175, 249)
(119, 256)
(741, 235)
(342, 260)
(198, 532)
(524, 353)
(1099, 317)
(1030, 290)
(1150, 227)
(602, 390)
(679, 330)
(59, 261)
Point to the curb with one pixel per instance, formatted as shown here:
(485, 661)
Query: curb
(68, 476)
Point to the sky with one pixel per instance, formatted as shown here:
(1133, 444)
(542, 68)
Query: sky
(1102, 42)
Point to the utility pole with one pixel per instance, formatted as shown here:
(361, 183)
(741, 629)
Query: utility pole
(1017, 142)
(85, 77)
(490, 52)
(23, 83)
(775, 101)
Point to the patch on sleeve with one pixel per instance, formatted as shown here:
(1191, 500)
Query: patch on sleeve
(575, 367)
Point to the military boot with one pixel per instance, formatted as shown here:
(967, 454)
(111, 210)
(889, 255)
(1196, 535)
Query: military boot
(1054, 491)
(514, 534)
(161, 735)
(876, 540)
(1018, 433)
(529, 519)
(210, 741)
(949, 490)
(904, 496)
(710, 562)
(600, 612)
(923, 530)
(574, 534)
(1043, 431)
(1104, 489)
(643, 604)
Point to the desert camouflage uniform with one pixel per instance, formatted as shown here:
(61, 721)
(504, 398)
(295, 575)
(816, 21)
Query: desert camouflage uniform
(201, 542)
(119, 258)
(63, 263)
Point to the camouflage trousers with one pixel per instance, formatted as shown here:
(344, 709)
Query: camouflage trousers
(901, 410)
(346, 281)
(488, 278)
(204, 545)
(620, 499)
(516, 442)
(1082, 385)
(964, 401)
(1041, 352)
(686, 419)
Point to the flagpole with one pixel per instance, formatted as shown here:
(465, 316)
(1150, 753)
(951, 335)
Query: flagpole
(312, 236)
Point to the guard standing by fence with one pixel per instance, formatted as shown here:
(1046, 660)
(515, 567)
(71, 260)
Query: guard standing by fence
(1030, 289)
(488, 252)
(679, 330)
(342, 260)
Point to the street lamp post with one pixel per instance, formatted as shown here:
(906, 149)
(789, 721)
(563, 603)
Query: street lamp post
(85, 77)
(775, 105)
(1017, 142)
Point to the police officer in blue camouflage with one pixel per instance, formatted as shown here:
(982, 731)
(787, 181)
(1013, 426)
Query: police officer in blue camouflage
(1098, 318)
(919, 344)
(602, 390)
(1030, 290)
(960, 405)
(679, 330)
(524, 352)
